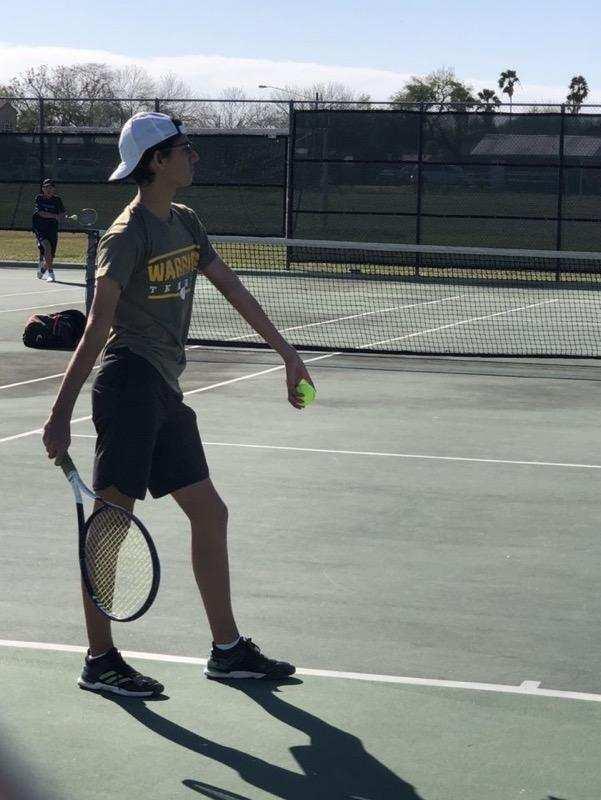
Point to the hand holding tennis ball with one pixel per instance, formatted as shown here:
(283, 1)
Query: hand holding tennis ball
(306, 392)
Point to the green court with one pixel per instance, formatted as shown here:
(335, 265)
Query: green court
(423, 542)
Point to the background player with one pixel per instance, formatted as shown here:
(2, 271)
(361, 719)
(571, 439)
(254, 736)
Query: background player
(49, 210)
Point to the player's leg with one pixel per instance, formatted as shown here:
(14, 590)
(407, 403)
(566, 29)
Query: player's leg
(125, 420)
(180, 469)
(207, 514)
(41, 243)
(50, 252)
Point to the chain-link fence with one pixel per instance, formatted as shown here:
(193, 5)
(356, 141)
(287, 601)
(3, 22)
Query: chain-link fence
(447, 175)
(452, 177)
(239, 184)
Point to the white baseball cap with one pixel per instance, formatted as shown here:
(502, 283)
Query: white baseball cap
(139, 133)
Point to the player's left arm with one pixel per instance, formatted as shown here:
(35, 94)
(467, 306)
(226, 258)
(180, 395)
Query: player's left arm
(231, 287)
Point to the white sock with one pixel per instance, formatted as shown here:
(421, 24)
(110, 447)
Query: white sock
(228, 646)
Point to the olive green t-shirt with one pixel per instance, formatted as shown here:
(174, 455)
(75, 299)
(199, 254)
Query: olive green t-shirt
(156, 264)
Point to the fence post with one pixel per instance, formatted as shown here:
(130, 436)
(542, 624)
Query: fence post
(157, 104)
(420, 161)
(289, 191)
(420, 181)
(42, 125)
(560, 187)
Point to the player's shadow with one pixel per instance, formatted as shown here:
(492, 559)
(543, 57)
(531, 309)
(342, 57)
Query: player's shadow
(335, 765)
(69, 283)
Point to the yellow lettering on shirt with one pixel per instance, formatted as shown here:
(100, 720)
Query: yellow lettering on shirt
(156, 273)
(177, 264)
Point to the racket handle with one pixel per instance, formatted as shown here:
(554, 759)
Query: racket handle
(66, 464)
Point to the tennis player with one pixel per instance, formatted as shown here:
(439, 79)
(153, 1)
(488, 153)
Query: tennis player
(148, 262)
(48, 211)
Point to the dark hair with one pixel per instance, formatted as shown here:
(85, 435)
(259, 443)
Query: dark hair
(142, 174)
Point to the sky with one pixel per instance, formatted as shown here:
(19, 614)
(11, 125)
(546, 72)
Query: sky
(372, 47)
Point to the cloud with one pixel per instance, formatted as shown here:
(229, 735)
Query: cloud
(209, 75)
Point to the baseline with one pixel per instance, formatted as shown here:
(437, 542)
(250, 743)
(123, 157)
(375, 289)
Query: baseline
(527, 687)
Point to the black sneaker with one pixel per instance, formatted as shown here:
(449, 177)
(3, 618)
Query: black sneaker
(110, 673)
(245, 660)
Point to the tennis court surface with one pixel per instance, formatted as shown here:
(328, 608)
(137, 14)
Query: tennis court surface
(422, 542)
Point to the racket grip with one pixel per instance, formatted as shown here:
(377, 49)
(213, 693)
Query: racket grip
(65, 463)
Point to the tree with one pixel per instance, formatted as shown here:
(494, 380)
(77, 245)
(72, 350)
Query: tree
(438, 89)
(170, 89)
(487, 101)
(94, 95)
(65, 86)
(577, 94)
(234, 109)
(130, 83)
(507, 82)
(333, 95)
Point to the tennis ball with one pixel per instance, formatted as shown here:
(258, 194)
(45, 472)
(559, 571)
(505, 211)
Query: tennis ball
(306, 392)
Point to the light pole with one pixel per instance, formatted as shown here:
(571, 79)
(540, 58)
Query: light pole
(279, 89)
(267, 86)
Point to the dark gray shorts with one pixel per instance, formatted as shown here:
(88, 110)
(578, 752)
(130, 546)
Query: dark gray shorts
(147, 439)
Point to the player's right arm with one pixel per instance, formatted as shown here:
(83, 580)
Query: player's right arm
(57, 430)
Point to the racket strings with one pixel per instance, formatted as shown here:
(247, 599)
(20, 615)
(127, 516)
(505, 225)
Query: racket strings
(118, 562)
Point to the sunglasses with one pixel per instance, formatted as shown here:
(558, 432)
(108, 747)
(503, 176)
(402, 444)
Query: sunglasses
(187, 146)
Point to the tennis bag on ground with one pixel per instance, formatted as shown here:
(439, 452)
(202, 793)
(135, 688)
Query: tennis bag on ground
(59, 331)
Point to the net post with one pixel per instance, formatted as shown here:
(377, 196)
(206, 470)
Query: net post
(93, 239)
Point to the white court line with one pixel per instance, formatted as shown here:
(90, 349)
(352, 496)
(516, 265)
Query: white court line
(350, 316)
(531, 688)
(43, 291)
(43, 305)
(306, 361)
(459, 322)
(37, 380)
(186, 394)
(328, 355)
(386, 455)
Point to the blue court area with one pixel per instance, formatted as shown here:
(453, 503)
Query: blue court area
(422, 542)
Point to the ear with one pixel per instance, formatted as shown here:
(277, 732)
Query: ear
(157, 161)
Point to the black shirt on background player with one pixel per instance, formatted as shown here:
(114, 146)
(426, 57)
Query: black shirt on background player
(50, 205)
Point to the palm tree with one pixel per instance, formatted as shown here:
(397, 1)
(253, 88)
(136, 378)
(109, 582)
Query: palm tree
(487, 101)
(507, 82)
(577, 94)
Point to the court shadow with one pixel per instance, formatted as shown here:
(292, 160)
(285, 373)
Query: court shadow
(335, 765)
(69, 283)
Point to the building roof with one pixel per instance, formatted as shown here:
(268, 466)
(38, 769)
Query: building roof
(521, 144)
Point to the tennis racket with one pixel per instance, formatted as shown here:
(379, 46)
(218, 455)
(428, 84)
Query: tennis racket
(118, 560)
(87, 217)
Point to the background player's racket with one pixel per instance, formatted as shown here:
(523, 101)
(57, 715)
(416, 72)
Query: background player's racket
(119, 563)
(87, 217)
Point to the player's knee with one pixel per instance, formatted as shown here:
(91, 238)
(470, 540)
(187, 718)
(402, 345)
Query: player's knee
(210, 521)
(220, 515)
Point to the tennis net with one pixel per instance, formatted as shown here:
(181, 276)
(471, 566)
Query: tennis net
(386, 298)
